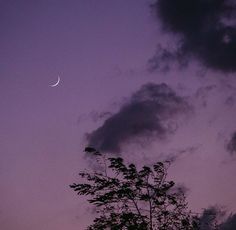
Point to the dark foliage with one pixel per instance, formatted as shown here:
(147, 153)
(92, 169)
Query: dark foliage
(128, 198)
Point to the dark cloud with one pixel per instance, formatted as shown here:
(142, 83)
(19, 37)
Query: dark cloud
(215, 218)
(231, 146)
(206, 32)
(209, 218)
(149, 112)
(229, 224)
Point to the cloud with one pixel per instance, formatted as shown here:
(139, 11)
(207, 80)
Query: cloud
(206, 32)
(203, 93)
(149, 112)
(209, 218)
(215, 216)
(231, 146)
(229, 224)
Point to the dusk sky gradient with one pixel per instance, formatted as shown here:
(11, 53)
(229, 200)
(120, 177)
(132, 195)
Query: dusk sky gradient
(118, 62)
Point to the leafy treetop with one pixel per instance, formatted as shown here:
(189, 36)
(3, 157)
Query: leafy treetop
(130, 199)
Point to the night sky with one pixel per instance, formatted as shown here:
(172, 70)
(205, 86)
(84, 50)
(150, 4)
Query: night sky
(147, 80)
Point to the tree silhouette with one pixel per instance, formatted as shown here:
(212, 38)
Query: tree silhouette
(132, 199)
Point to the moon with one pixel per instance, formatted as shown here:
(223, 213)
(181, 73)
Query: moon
(58, 80)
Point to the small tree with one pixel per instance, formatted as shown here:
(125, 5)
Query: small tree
(132, 199)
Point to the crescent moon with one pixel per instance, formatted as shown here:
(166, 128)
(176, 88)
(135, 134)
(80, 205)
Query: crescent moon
(58, 80)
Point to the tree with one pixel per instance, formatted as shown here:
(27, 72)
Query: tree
(132, 199)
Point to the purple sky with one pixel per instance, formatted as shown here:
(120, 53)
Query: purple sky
(101, 50)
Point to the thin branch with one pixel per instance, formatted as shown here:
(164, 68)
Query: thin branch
(150, 204)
